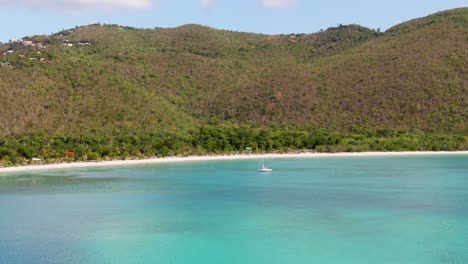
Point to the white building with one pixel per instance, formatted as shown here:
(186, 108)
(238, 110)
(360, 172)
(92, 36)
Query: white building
(16, 40)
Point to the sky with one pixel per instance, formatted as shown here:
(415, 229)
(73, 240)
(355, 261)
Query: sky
(20, 18)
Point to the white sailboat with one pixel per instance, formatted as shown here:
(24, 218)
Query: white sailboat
(263, 168)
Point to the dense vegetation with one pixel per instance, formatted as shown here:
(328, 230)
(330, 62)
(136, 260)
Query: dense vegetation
(209, 139)
(125, 92)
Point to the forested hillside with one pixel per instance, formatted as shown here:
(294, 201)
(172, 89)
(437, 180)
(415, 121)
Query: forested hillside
(103, 84)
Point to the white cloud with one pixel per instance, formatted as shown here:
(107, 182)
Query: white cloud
(79, 4)
(208, 3)
(278, 3)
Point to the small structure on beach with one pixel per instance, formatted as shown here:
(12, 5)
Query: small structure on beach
(248, 150)
(70, 154)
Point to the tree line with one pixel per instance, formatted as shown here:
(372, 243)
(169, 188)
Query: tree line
(214, 139)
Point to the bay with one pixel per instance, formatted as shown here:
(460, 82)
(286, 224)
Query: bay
(321, 210)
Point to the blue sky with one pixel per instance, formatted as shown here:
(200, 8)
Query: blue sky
(19, 18)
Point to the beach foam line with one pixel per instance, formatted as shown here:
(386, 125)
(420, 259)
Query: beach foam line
(115, 163)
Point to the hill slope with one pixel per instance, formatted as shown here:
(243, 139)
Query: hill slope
(413, 76)
(117, 78)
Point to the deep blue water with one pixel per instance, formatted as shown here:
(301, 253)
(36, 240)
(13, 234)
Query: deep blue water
(324, 210)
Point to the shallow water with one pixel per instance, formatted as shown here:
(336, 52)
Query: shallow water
(321, 210)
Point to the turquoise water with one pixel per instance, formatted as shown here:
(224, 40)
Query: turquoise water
(329, 210)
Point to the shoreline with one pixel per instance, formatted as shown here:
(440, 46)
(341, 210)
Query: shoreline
(116, 163)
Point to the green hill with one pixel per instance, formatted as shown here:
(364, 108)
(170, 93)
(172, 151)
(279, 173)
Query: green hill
(119, 81)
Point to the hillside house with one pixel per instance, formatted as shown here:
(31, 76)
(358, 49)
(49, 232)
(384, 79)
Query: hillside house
(6, 64)
(27, 43)
(16, 40)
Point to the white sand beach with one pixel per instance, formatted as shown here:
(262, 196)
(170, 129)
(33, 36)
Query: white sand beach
(218, 157)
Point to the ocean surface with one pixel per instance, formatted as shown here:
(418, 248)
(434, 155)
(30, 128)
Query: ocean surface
(322, 210)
